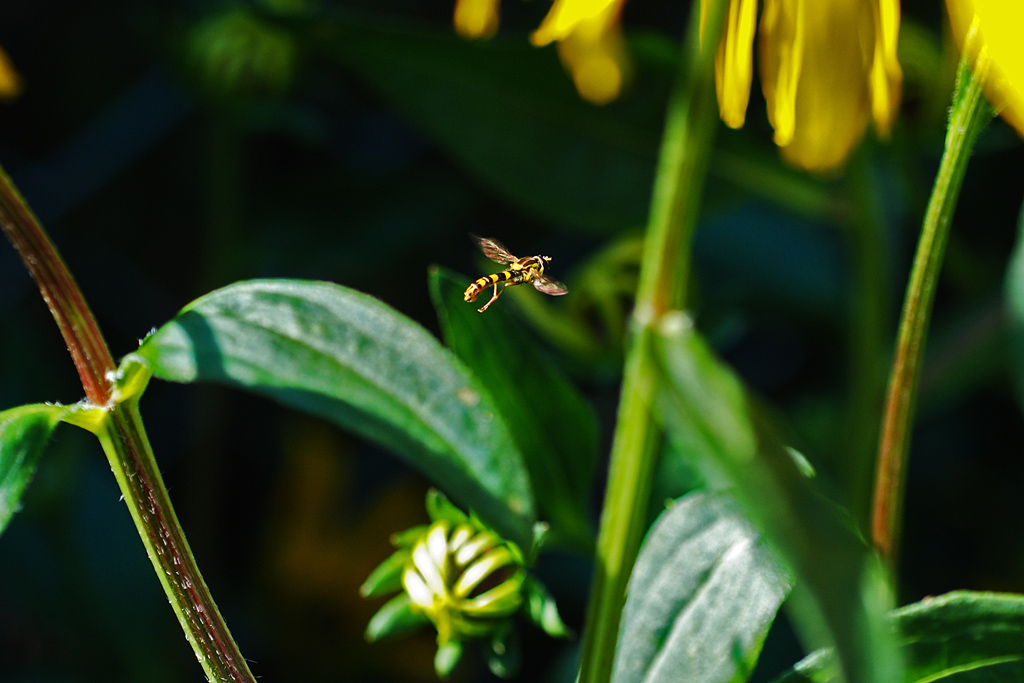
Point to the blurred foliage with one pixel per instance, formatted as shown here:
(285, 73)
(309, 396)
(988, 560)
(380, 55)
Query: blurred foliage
(173, 147)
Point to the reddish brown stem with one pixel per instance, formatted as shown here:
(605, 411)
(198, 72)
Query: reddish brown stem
(60, 291)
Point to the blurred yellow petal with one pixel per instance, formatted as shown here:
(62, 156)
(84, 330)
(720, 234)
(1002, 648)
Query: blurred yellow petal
(781, 58)
(590, 45)
(568, 16)
(476, 18)
(734, 61)
(818, 70)
(886, 75)
(598, 64)
(996, 26)
(10, 81)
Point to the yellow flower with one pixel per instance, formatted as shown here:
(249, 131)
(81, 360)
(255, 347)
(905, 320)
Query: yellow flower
(827, 68)
(476, 18)
(10, 81)
(589, 37)
(990, 30)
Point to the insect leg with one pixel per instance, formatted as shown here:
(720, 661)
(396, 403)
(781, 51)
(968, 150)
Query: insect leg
(497, 293)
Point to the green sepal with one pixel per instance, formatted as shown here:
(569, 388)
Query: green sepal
(447, 658)
(542, 610)
(409, 537)
(440, 508)
(387, 577)
(395, 619)
(503, 652)
(541, 533)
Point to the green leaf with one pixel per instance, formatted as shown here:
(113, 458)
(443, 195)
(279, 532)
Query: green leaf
(552, 424)
(509, 113)
(961, 637)
(395, 619)
(841, 597)
(702, 596)
(345, 356)
(23, 433)
(948, 635)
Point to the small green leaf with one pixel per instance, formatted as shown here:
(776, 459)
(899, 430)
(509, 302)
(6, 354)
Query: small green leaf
(961, 637)
(387, 577)
(553, 425)
(23, 433)
(447, 658)
(345, 356)
(842, 597)
(395, 619)
(702, 596)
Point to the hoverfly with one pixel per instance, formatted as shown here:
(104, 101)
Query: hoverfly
(520, 270)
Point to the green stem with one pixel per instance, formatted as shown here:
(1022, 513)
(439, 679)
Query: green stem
(969, 116)
(119, 427)
(664, 274)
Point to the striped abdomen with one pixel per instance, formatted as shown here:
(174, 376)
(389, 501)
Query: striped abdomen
(473, 291)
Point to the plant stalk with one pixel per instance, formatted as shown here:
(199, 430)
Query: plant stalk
(122, 435)
(664, 274)
(969, 115)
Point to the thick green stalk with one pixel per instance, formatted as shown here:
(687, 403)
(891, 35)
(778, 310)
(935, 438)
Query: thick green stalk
(116, 421)
(664, 273)
(969, 115)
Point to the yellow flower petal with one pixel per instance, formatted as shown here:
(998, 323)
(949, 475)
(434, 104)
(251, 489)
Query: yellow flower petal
(10, 81)
(476, 18)
(997, 25)
(817, 60)
(591, 47)
(734, 61)
(566, 16)
(886, 75)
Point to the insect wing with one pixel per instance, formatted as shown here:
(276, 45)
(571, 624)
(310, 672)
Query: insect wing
(544, 284)
(494, 250)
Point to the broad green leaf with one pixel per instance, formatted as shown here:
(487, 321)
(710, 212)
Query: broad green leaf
(841, 597)
(345, 356)
(23, 433)
(552, 424)
(961, 637)
(703, 593)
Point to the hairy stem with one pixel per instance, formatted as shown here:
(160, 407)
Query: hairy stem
(664, 273)
(60, 291)
(120, 430)
(969, 115)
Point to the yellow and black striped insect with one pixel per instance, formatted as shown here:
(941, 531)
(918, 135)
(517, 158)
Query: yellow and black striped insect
(520, 270)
